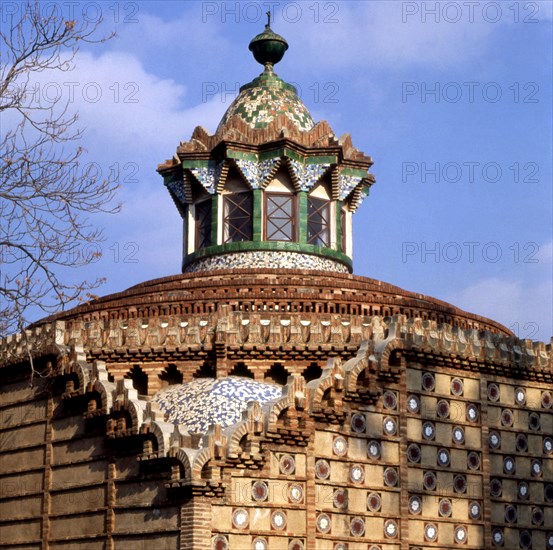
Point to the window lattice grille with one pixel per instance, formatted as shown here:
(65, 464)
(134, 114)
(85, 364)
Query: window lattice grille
(318, 222)
(237, 218)
(279, 217)
(203, 224)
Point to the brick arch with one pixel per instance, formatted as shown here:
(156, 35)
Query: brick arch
(83, 376)
(357, 365)
(161, 436)
(234, 442)
(185, 460)
(320, 386)
(127, 400)
(385, 365)
(135, 413)
(106, 391)
(200, 460)
(289, 400)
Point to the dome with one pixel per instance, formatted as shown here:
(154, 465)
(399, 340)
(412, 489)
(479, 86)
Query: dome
(205, 401)
(266, 98)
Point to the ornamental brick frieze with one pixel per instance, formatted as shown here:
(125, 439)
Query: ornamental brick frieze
(320, 136)
(160, 303)
(245, 332)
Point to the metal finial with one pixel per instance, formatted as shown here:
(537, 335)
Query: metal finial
(269, 18)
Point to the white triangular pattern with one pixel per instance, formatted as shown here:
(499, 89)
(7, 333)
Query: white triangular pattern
(256, 172)
(346, 184)
(308, 174)
(208, 176)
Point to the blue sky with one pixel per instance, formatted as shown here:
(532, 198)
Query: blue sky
(454, 105)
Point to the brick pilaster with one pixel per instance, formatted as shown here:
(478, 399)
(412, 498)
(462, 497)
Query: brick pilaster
(486, 500)
(310, 499)
(403, 465)
(47, 479)
(196, 524)
(110, 505)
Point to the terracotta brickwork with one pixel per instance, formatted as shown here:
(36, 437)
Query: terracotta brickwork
(62, 485)
(424, 437)
(348, 414)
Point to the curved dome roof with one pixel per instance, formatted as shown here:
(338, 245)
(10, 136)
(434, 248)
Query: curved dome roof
(205, 401)
(265, 99)
(268, 97)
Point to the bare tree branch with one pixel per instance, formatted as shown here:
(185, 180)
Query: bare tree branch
(45, 198)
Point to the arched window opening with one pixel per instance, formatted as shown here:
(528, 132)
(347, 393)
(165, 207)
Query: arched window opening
(277, 374)
(139, 380)
(312, 372)
(171, 376)
(207, 370)
(240, 369)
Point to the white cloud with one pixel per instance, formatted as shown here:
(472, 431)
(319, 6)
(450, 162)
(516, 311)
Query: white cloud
(122, 107)
(524, 307)
(136, 107)
(380, 33)
(526, 311)
(135, 119)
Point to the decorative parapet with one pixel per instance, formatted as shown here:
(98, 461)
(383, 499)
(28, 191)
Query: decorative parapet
(40, 340)
(290, 417)
(471, 348)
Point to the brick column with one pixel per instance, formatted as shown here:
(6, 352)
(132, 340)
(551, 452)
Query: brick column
(403, 464)
(47, 479)
(486, 499)
(195, 524)
(310, 498)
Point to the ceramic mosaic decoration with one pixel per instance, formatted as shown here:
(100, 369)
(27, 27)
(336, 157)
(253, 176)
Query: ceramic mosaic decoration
(206, 401)
(267, 258)
(259, 105)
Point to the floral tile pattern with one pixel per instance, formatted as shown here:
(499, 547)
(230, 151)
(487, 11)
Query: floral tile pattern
(260, 105)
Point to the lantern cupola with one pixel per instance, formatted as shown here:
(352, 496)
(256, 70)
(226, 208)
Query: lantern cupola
(271, 188)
